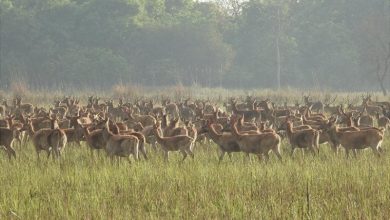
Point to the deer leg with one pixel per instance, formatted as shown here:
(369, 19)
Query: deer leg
(347, 152)
(292, 151)
(266, 155)
(376, 151)
(144, 154)
(354, 153)
(222, 154)
(260, 157)
(154, 145)
(166, 155)
(48, 154)
(91, 150)
(10, 151)
(191, 153)
(313, 151)
(38, 155)
(277, 153)
(230, 156)
(184, 154)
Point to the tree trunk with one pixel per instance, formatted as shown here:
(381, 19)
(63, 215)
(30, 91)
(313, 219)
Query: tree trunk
(278, 52)
(384, 91)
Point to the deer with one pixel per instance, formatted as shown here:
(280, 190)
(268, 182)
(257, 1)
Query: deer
(226, 141)
(7, 137)
(48, 139)
(352, 140)
(317, 106)
(145, 120)
(327, 105)
(173, 129)
(75, 134)
(2, 111)
(148, 134)
(94, 139)
(158, 111)
(376, 103)
(364, 119)
(245, 127)
(182, 143)
(120, 145)
(370, 109)
(7, 108)
(383, 121)
(305, 138)
(248, 114)
(186, 112)
(170, 108)
(26, 108)
(258, 144)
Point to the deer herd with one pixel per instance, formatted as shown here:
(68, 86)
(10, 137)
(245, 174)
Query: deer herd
(250, 126)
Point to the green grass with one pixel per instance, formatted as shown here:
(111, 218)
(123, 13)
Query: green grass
(304, 187)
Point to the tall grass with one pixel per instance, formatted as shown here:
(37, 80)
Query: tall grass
(327, 186)
(179, 92)
(304, 187)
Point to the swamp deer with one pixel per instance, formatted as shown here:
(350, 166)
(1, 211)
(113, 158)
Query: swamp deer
(48, 139)
(120, 145)
(258, 144)
(226, 141)
(317, 106)
(305, 138)
(249, 115)
(352, 140)
(383, 121)
(182, 143)
(7, 137)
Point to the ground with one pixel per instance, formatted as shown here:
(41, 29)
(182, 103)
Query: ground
(303, 187)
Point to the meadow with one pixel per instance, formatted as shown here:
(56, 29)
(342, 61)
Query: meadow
(81, 186)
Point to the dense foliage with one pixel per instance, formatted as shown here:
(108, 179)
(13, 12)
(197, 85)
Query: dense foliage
(98, 43)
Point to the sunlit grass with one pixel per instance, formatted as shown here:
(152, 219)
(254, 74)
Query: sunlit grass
(79, 186)
(327, 186)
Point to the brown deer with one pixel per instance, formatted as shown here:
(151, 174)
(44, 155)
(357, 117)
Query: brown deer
(148, 134)
(317, 106)
(94, 139)
(226, 141)
(259, 144)
(171, 108)
(249, 115)
(376, 103)
(48, 139)
(75, 134)
(352, 140)
(7, 137)
(26, 108)
(182, 143)
(328, 102)
(383, 121)
(306, 138)
(173, 129)
(145, 120)
(120, 145)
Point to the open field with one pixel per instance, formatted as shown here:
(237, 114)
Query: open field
(78, 186)
(326, 186)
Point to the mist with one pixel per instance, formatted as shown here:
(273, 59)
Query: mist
(81, 44)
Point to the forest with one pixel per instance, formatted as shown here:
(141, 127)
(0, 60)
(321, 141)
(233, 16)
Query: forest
(307, 44)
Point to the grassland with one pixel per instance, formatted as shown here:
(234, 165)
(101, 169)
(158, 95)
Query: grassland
(304, 187)
(79, 186)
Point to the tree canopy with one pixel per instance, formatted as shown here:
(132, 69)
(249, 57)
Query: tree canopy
(230, 43)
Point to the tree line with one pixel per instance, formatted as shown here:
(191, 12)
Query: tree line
(229, 43)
